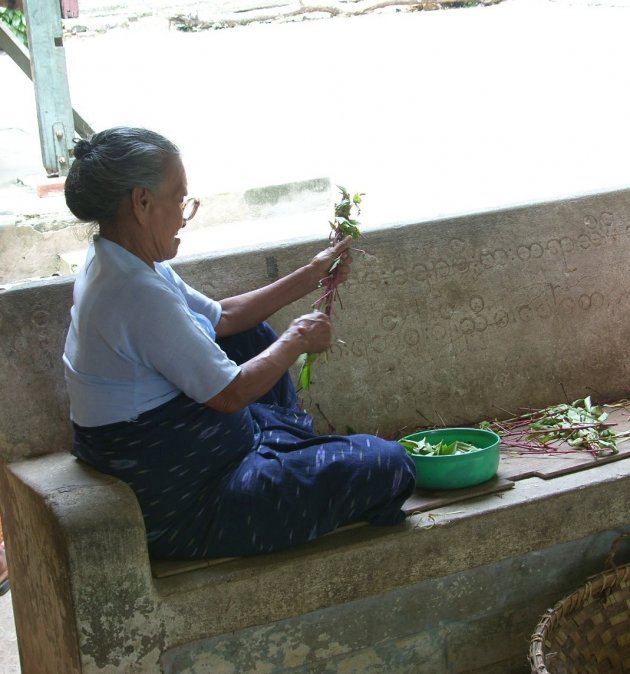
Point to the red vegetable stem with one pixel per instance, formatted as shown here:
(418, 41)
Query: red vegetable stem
(566, 429)
(329, 283)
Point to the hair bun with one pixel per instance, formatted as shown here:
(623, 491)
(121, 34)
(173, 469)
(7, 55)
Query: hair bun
(82, 148)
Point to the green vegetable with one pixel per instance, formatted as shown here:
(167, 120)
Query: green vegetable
(423, 447)
(342, 225)
(305, 361)
(581, 425)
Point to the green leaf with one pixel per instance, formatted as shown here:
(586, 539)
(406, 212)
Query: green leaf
(447, 449)
(305, 361)
(334, 265)
(423, 447)
(305, 377)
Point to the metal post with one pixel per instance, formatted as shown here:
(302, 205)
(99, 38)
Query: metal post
(50, 78)
(16, 50)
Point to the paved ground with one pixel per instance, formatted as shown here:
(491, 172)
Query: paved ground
(430, 113)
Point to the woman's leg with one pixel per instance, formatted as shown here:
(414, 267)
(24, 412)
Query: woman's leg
(277, 499)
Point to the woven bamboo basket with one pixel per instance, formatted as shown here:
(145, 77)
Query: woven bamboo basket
(587, 632)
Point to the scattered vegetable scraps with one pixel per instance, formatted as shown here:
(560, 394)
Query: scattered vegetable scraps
(581, 425)
(423, 447)
(342, 225)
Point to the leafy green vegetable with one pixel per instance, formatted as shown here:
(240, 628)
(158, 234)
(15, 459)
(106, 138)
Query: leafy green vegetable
(581, 424)
(305, 361)
(342, 225)
(424, 448)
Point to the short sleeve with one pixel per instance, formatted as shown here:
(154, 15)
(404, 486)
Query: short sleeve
(164, 335)
(197, 301)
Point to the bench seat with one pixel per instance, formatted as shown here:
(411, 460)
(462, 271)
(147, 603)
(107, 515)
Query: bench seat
(444, 323)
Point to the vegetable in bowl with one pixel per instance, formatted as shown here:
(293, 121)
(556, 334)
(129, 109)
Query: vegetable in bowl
(425, 448)
(453, 458)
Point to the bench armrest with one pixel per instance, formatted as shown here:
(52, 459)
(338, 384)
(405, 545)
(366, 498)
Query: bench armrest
(76, 547)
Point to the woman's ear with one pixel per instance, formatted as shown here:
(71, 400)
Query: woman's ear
(141, 202)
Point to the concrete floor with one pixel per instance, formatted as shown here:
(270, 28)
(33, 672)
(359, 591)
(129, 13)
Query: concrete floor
(9, 662)
(430, 113)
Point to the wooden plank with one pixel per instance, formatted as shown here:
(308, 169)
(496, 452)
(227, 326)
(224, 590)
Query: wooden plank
(10, 43)
(420, 501)
(423, 499)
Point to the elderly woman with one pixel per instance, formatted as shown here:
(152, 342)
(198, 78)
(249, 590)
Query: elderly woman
(188, 399)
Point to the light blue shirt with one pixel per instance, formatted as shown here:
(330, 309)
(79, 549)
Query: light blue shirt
(138, 338)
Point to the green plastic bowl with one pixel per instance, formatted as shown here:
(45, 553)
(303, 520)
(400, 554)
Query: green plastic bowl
(458, 470)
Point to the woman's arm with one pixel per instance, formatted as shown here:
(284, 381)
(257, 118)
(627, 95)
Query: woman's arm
(310, 333)
(245, 311)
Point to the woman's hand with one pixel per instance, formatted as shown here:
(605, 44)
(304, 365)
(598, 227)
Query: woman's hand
(323, 261)
(311, 333)
(244, 311)
(316, 331)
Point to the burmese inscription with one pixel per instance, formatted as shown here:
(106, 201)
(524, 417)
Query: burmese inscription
(456, 310)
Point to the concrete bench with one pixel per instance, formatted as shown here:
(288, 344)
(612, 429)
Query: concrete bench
(445, 322)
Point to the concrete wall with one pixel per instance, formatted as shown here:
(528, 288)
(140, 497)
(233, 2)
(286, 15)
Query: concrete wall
(472, 622)
(449, 322)
(443, 322)
(41, 238)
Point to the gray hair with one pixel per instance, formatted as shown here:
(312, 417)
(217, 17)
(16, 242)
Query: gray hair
(109, 165)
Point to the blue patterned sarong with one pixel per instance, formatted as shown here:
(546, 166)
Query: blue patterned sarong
(212, 484)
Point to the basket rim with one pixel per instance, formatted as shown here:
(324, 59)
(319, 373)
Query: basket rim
(608, 580)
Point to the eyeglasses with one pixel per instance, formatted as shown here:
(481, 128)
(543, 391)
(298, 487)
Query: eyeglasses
(189, 208)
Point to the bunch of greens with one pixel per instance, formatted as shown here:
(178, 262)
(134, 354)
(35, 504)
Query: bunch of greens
(343, 225)
(581, 425)
(423, 447)
(14, 18)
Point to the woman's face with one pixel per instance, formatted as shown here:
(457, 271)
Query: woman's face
(167, 216)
